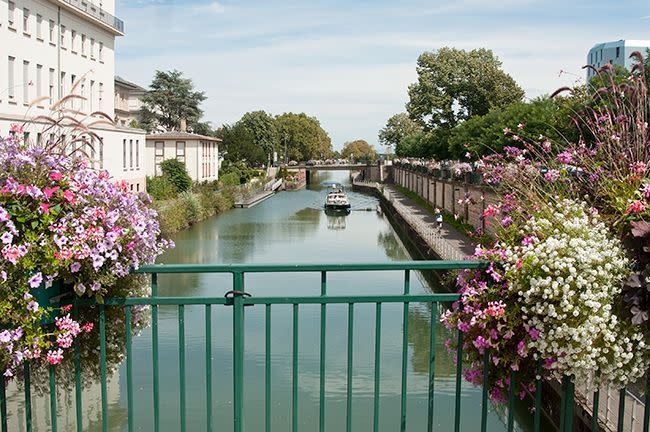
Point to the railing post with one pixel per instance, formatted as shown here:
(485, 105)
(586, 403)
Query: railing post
(238, 351)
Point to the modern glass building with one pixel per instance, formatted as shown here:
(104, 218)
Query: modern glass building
(617, 53)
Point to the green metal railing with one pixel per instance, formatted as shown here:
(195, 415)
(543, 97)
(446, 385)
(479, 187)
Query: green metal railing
(238, 299)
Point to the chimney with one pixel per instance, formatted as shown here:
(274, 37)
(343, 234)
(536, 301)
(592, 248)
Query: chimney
(183, 125)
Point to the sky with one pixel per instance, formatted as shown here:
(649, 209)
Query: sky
(349, 63)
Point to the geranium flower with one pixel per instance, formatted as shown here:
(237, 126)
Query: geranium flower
(636, 207)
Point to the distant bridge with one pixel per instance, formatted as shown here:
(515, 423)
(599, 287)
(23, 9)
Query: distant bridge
(337, 167)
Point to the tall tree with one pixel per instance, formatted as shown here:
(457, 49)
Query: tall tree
(454, 85)
(304, 137)
(239, 144)
(170, 99)
(358, 150)
(398, 127)
(264, 130)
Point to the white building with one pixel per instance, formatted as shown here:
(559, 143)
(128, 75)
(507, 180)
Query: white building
(617, 53)
(47, 45)
(199, 153)
(127, 101)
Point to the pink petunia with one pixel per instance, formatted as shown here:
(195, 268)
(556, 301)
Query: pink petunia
(636, 207)
(56, 175)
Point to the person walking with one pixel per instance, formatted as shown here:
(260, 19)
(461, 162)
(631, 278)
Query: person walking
(438, 219)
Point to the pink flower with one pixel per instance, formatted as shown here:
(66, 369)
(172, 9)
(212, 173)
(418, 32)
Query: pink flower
(44, 208)
(645, 190)
(55, 357)
(69, 196)
(36, 280)
(520, 126)
(528, 240)
(50, 191)
(551, 175)
(546, 146)
(636, 207)
(534, 333)
(16, 129)
(88, 327)
(638, 167)
(506, 131)
(565, 157)
(56, 175)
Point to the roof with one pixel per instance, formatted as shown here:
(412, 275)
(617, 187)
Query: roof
(622, 43)
(124, 83)
(177, 135)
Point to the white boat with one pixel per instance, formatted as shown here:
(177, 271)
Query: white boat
(337, 199)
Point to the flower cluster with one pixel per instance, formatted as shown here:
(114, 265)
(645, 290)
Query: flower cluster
(62, 223)
(551, 299)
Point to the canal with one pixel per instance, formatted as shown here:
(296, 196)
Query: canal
(291, 227)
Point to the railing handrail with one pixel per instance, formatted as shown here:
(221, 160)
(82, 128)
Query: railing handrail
(308, 267)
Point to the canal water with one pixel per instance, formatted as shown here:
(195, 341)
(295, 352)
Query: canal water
(291, 227)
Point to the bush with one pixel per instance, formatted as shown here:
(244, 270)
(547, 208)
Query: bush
(173, 217)
(192, 205)
(231, 179)
(160, 188)
(177, 174)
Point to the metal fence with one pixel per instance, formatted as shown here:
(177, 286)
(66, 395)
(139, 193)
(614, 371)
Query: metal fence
(238, 299)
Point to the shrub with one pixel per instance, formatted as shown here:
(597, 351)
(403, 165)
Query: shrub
(177, 174)
(230, 179)
(173, 217)
(192, 205)
(160, 188)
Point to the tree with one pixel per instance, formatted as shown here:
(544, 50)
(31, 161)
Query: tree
(264, 130)
(239, 144)
(454, 85)
(305, 138)
(358, 150)
(176, 172)
(398, 127)
(170, 99)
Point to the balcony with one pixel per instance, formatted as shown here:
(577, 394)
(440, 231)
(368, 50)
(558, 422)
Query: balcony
(98, 13)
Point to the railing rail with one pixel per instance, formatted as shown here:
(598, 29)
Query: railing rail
(98, 13)
(238, 299)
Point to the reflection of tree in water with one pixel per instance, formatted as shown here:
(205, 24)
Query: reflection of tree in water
(419, 323)
(389, 242)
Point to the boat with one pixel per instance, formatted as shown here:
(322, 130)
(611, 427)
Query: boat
(337, 200)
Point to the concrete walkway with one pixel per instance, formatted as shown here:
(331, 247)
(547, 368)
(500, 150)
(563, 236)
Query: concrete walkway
(447, 243)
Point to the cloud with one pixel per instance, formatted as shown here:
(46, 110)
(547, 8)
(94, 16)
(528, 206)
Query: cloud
(349, 66)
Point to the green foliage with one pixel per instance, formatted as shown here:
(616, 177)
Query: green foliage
(239, 145)
(454, 85)
(264, 130)
(282, 173)
(170, 99)
(230, 179)
(160, 188)
(173, 216)
(432, 144)
(397, 128)
(551, 118)
(193, 206)
(304, 137)
(134, 124)
(177, 174)
(359, 150)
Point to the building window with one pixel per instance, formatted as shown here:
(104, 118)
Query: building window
(618, 52)
(11, 13)
(39, 82)
(137, 154)
(124, 154)
(83, 96)
(92, 49)
(131, 154)
(101, 153)
(159, 155)
(51, 85)
(101, 96)
(83, 45)
(137, 187)
(52, 31)
(12, 79)
(62, 88)
(26, 82)
(26, 20)
(39, 27)
(63, 37)
(180, 151)
(101, 51)
(92, 96)
(73, 41)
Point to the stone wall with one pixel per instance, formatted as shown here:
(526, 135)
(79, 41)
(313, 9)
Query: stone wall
(445, 194)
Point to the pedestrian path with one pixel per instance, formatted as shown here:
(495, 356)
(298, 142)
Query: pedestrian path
(447, 242)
